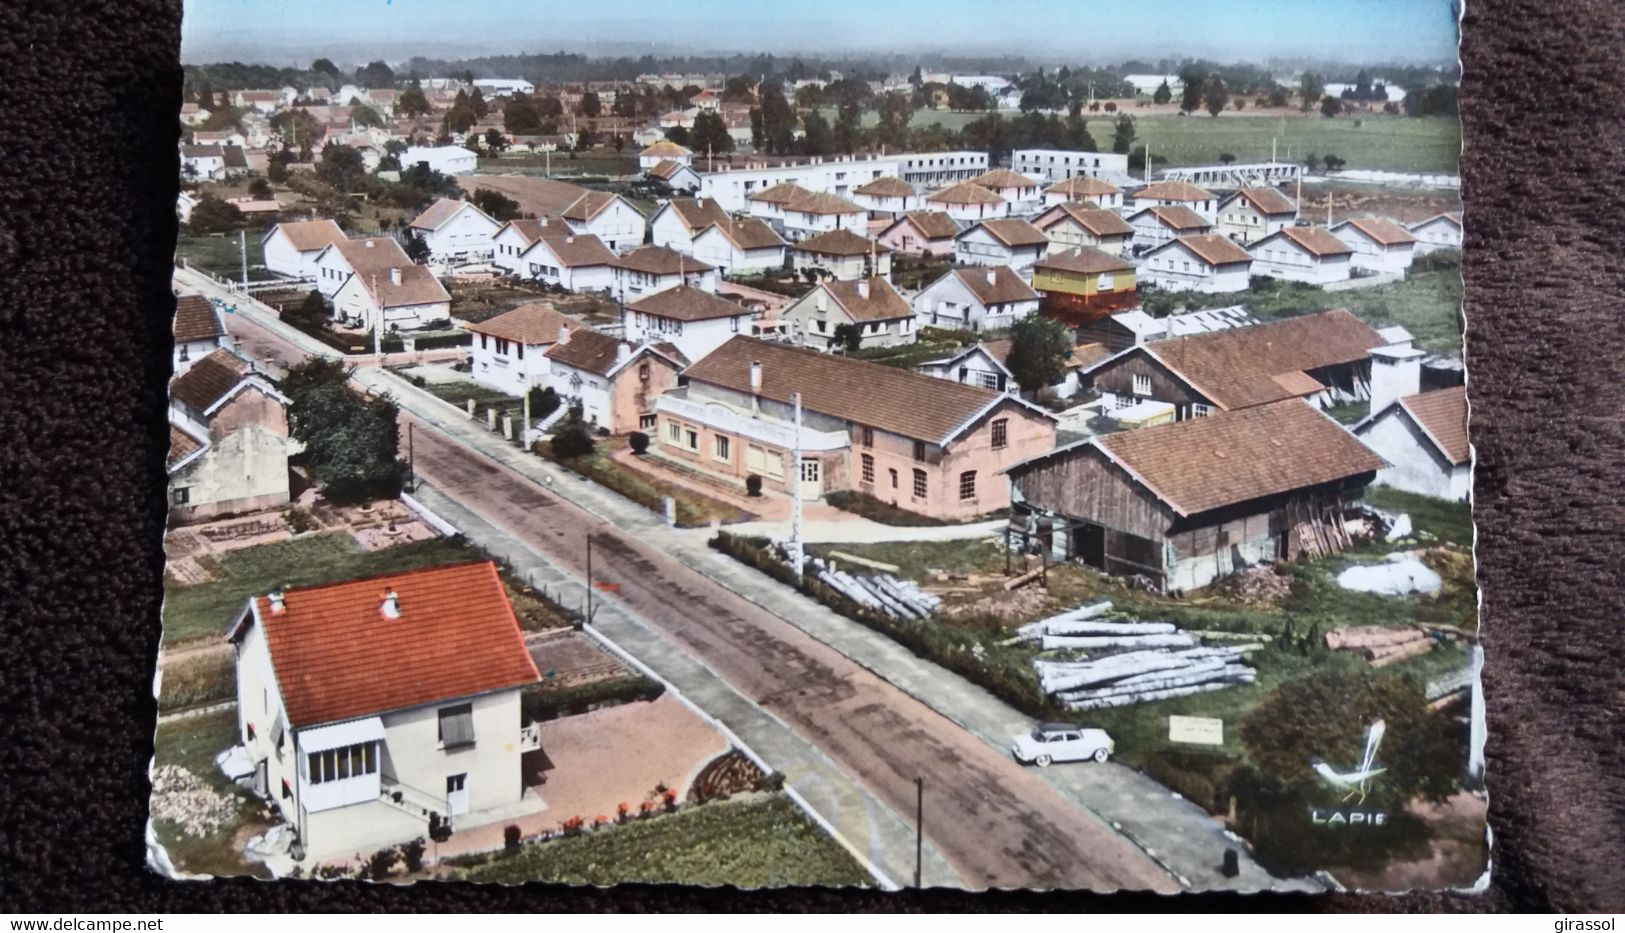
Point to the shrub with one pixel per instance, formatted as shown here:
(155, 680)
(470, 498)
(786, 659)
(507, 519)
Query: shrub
(441, 341)
(543, 401)
(638, 441)
(573, 440)
(412, 853)
(300, 520)
(510, 837)
(382, 862)
(753, 485)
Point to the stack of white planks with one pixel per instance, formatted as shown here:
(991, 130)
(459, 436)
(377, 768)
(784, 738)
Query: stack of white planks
(1130, 662)
(895, 596)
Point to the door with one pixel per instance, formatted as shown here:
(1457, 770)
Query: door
(811, 485)
(1090, 545)
(456, 794)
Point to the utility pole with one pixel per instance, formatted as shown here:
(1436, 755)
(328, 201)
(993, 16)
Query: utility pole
(242, 249)
(796, 558)
(919, 828)
(411, 461)
(587, 605)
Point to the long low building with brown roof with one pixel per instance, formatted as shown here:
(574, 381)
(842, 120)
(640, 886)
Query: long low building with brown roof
(694, 320)
(1198, 262)
(1323, 356)
(1185, 504)
(1071, 224)
(923, 444)
(841, 254)
(921, 233)
(1303, 254)
(868, 312)
(1380, 245)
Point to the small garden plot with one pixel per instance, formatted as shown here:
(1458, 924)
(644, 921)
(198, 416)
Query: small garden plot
(199, 680)
(756, 841)
(694, 509)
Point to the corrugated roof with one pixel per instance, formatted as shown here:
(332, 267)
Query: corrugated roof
(1232, 457)
(1442, 413)
(1237, 368)
(338, 656)
(885, 397)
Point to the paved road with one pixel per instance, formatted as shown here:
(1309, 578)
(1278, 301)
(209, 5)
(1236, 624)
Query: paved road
(995, 823)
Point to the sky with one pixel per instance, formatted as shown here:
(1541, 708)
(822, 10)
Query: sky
(289, 32)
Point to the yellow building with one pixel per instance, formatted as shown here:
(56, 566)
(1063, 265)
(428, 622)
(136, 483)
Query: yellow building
(1081, 285)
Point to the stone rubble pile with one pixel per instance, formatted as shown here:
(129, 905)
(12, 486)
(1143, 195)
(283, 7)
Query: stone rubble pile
(181, 797)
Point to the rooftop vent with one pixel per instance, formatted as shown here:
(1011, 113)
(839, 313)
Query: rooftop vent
(391, 607)
(278, 604)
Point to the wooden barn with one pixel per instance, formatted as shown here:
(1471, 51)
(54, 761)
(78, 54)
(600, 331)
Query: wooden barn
(1187, 503)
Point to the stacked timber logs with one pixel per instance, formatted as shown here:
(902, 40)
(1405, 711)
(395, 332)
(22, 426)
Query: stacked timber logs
(1130, 662)
(895, 596)
(1377, 644)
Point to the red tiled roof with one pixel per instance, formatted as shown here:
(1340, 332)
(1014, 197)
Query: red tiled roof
(933, 225)
(1013, 231)
(1317, 241)
(1082, 186)
(208, 380)
(337, 656)
(1100, 221)
(840, 242)
(573, 250)
(181, 446)
(658, 260)
(1266, 200)
(196, 319)
(306, 235)
(1003, 178)
(1173, 191)
(886, 186)
(964, 193)
(1177, 217)
(1232, 457)
(697, 213)
(687, 303)
(1210, 247)
(531, 324)
(1005, 287)
(438, 213)
(587, 350)
(1084, 259)
(882, 303)
(1442, 413)
(1380, 229)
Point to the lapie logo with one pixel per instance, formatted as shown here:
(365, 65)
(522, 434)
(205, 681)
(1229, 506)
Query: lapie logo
(1356, 781)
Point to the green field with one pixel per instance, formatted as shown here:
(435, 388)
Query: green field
(1378, 142)
(204, 610)
(220, 255)
(748, 843)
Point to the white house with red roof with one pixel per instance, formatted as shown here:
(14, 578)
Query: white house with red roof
(509, 351)
(373, 710)
(1441, 231)
(1202, 262)
(1379, 244)
(455, 230)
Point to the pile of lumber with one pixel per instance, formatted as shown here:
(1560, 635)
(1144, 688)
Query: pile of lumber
(1129, 662)
(895, 596)
(1377, 644)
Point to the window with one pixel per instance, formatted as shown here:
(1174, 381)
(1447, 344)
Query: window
(674, 432)
(1142, 384)
(287, 790)
(720, 448)
(691, 439)
(868, 462)
(919, 484)
(1001, 433)
(336, 764)
(521, 348)
(644, 373)
(1200, 410)
(967, 484)
(180, 496)
(919, 450)
(456, 726)
(483, 343)
(867, 435)
(734, 322)
(893, 478)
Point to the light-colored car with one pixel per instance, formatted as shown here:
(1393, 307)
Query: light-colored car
(1061, 741)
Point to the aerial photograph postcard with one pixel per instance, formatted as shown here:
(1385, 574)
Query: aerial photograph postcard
(863, 445)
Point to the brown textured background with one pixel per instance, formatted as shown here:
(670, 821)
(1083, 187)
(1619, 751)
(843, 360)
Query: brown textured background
(87, 120)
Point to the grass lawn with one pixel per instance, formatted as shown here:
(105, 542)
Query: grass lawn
(204, 610)
(192, 744)
(1379, 142)
(218, 254)
(198, 681)
(749, 843)
(1448, 521)
(694, 509)
(1427, 303)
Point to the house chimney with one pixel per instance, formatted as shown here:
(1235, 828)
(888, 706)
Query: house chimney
(756, 377)
(623, 352)
(863, 289)
(992, 276)
(367, 243)
(1395, 373)
(394, 276)
(391, 607)
(278, 604)
(564, 334)
(569, 239)
(820, 301)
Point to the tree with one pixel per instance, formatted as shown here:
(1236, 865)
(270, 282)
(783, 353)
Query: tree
(1123, 134)
(1215, 96)
(778, 121)
(915, 77)
(638, 441)
(519, 116)
(365, 115)
(1310, 90)
(591, 106)
(296, 126)
(1225, 158)
(413, 102)
(375, 74)
(351, 443)
(895, 110)
(678, 135)
(1238, 102)
(1195, 82)
(619, 142)
(276, 167)
(416, 249)
(1325, 717)
(710, 134)
(1330, 106)
(459, 119)
(817, 139)
(1163, 94)
(310, 313)
(846, 130)
(848, 337)
(477, 103)
(495, 142)
(495, 203)
(1310, 161)
(1038, 350)
(341, 166)
(212, 215)
(1333, 163)
(259, 189)
(1278, 96)
(326, 68)
(572, 440)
